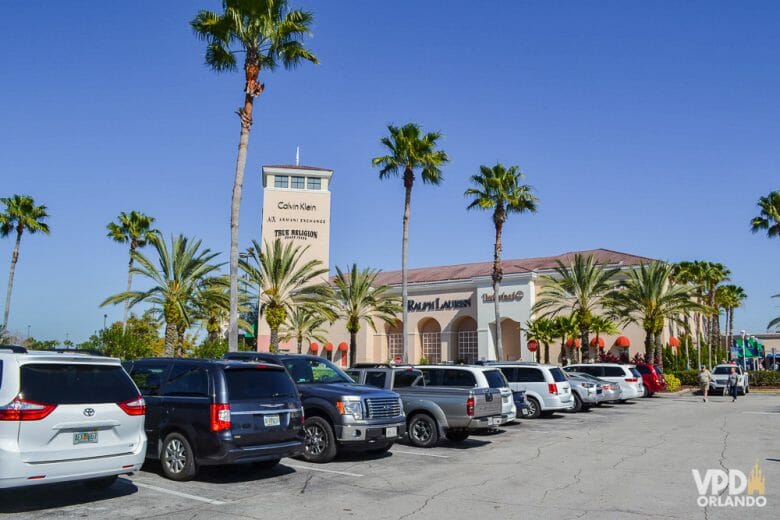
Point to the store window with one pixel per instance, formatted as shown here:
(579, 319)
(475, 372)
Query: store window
(298, 183)
(468, 346)
(313, 183)
(281, 181)
(395, 346)
(431, 346)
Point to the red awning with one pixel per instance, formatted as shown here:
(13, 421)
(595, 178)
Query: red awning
(623, 342)
(343, 346)
(328, 346)
(601, 342)
(314, 347)
(571, 342)
(674, 342)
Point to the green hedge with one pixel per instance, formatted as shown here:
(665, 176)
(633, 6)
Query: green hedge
(686, 377)
(757, 378)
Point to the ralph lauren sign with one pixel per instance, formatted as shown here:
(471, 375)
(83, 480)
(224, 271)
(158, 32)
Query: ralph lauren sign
(437, 305)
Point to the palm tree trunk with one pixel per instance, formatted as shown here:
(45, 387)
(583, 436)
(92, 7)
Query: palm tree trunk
(300, 344)
(352, 348)
(649, 346)
(170, 339)
(546, 354)
(14, 259)
(274, 344)
(408, 183)
(698, 340)
(659, 350)
(497, 276)
(235, 203)
(180, 340)
(584, 345)
(129, 286)
(730, 338)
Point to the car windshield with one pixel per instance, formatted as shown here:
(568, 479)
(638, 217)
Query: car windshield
(495, 379)
(558, 375)
(723, 370)
(305, 370)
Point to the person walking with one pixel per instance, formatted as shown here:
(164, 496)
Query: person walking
(733, 384)
(704, 380)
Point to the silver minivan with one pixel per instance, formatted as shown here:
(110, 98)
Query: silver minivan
(547, 389)
(626, 376)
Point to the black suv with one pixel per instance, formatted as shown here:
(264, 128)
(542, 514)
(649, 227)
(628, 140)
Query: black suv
(339, 412)
(204, 412)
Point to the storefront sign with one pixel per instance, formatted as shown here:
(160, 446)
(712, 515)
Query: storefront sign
(437, 305)
(297, 206)
(300, 234)
(504, 297)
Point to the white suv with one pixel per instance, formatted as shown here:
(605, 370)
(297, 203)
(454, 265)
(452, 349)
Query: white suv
(625, 376)
(546, 387)
(720, 379)
(66, 417)
(472, 377)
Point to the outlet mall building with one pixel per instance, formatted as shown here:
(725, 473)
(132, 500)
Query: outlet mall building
(451, 311)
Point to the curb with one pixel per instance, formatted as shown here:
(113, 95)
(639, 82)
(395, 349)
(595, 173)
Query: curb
(675, 394)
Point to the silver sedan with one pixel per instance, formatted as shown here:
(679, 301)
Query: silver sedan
(586, 393)
(610, 391)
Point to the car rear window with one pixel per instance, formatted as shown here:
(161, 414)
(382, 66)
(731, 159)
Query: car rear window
(495, 379)
(635, 373)
(257, 383)
(76, 384)
(614, 372)
(558, 375)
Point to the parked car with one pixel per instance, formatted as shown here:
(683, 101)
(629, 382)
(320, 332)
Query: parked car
(630, 386)
(521, 403)
(203, 412)
(67, 417)
(586, 393)
(340, 414)
(652, 378)
(720, 379)
(610, 390)
(433, 412)
(473, 377)
(546, 387)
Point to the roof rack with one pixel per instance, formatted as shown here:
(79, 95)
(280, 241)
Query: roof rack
(16, 349)
(380, 365)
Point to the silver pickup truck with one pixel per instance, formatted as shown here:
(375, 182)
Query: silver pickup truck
(433, 412)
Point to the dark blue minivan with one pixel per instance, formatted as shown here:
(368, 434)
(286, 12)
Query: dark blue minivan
(205, 412)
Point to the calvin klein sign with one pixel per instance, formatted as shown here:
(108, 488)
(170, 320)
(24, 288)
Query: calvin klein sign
(437, 305)
(503, 297)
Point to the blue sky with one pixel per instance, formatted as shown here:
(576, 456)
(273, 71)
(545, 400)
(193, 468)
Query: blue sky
(645, 127)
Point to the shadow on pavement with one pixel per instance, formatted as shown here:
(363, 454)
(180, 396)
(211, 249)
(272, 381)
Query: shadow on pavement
(52, 496)
(230, 474)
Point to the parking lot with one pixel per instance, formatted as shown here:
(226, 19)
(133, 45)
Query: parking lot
(625, 461)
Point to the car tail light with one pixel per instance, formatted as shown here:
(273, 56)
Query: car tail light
(631, 380)
(470, 407)
(220, 417)
(21, 410)
(135, 406)
(553, 388)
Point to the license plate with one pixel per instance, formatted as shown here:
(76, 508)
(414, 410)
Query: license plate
(271, 420)
(85, 438)
(494, 421)
(391, 432)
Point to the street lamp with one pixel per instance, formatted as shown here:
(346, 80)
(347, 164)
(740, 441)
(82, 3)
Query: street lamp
(105, 316)
(28, 331)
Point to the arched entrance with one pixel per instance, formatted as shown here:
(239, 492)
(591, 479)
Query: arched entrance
(395, 340)
(510, 339)
(466, 341)
(430, 339)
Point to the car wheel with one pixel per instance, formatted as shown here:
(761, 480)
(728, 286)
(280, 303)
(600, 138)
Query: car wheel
(99, 484)
(266, 464)
(534, 410)
(177, 459)
(457, 435)
(577, 407)
(423, 431)
(320, 440)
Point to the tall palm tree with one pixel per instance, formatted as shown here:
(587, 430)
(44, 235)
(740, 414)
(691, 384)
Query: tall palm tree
(578, 289)
(769, 217)
(729, 297)
(648, 298)
(500, 189)
(692, 274)
(132, 228)
(565, 327)
(775, 322)
(602, 325)
(543, 331)
(268, 33)
(357, 298)
(211, 304)
(176, 278)
(286, 281)
(303, 324)
(713, 275)
(21, 214)
(409, 150)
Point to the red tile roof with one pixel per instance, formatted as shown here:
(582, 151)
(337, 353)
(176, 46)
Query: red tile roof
(527, 265)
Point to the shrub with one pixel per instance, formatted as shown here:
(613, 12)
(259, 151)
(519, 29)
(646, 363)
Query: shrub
(210, 349)
(672, 383)
(423, 361)
(764, 378)
(686, 377)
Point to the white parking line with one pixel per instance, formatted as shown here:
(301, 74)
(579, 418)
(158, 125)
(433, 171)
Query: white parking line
(308, 468)
(422, 454)
(178, 493)
(764, 413)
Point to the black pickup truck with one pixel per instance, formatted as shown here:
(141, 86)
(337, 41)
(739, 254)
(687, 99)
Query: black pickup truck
(340, 414)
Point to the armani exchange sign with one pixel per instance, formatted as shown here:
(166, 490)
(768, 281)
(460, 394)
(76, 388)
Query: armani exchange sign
(437, 305)
(503, 297)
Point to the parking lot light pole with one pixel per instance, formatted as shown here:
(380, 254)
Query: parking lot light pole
(744, 340)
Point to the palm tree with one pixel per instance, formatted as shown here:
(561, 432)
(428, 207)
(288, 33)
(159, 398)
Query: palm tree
(499, 189)
(648, 297)
(769, 217)
(303, 324)
(714, 274)
(409, 150)
(729, 297)
(21, 214)
(543, 331)
(286, 280)
(268, 33)
(775, 322)
(692, 274)
(181, 271)
(357, 298)
(602, 325)
(211, 305)
(134, 228)
(565, 327)
(578, 289)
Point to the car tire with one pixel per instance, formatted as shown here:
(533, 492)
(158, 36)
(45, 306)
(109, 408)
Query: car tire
(177, 459)
(457, 435)
(423, 430)
(534, 409)
(99, 484)
(266, 464)
(320, 440)
(577, 403)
